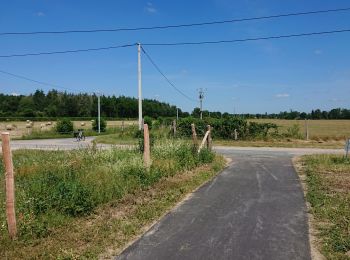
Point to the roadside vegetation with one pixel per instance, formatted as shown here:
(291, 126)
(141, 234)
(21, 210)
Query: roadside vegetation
(328, 192)
(79, 203)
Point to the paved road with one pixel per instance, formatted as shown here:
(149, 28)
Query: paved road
(54, 144)
(254, 209)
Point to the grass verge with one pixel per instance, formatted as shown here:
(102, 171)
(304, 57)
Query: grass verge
(100, 221)
(327, 180)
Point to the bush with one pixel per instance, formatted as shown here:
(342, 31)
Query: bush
(64, 126)
(103, 124)
(147, 120)
(294, 132)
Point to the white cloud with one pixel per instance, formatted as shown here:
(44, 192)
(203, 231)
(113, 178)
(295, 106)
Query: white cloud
(282, 95)
(318, 52)
(150, 8)
(40, 14)
(14, 94)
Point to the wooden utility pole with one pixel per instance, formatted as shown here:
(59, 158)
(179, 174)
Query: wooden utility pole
(146, 147)
(9, 185)
(139, 84)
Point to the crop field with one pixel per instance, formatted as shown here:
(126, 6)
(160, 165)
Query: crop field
(19, 127)
(318, 129)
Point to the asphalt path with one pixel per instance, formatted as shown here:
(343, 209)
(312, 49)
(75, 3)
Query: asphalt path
(55, 144)
(254, 209)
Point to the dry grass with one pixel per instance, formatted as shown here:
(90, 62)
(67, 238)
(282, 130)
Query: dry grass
(318, 129)
(20, 126)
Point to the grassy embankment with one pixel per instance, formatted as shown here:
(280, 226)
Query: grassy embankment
(91, 203)
(327, 180)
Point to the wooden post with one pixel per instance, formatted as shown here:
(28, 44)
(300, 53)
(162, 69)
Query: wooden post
(236, 135)
(174, 127)
(209, 140)
(146, 148)
(306, 129)
(194, 135)
(9, 185)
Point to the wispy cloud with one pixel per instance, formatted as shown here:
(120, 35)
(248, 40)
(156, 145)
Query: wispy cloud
(150, 8)
(336, 100)
(282, 95)
(318, 52)
(40, 14)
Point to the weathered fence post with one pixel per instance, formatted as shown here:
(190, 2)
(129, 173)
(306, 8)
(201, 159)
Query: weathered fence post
(306, 129)
(347, 147)
(174, 127)
(146, 148)
(209, 140)
(236, 135)
(9, 185)
(194, 136)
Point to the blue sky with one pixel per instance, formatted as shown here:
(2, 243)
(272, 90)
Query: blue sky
(255, 77)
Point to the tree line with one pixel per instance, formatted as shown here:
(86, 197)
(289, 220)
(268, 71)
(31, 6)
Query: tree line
(56, 103)
(62, 104)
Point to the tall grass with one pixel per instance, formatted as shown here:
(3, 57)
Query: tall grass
(55, 186)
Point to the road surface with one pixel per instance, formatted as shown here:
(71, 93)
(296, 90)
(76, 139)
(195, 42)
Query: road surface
(254, 209)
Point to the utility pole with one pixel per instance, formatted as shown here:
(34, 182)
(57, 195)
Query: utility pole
(99, 112)
(139, 85)
(177, 113)
(201, 97)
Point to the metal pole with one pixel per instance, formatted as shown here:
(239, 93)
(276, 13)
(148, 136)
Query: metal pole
(140, 85)
(99, 112)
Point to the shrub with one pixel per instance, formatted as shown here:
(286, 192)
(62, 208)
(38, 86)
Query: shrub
(148, 120)
(294, 132)
(64, 126)
(103, 124)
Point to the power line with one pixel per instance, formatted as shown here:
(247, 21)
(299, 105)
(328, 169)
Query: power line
(35, 81)
(67, 51)
(248, 39)
(181, 43)
(165, 77)
(180, 25)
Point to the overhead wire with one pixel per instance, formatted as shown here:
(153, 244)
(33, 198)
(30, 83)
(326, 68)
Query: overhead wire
(235, 20)
(165, 77)
(181, 43)
(37, 81)
(67, 51)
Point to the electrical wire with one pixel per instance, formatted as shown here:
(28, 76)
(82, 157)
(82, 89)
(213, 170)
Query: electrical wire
(67, 51)
(165, 77)
(180, 25)
(249, 39)
(36, 81)
(181, 43)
